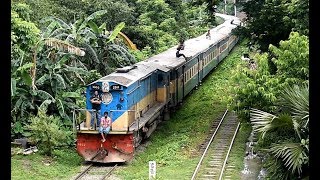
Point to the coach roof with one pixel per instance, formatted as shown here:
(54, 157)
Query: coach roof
(127, 75)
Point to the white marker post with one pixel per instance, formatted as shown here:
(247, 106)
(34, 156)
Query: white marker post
(152, 170)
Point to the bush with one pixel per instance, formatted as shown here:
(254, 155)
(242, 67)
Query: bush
(46, 131)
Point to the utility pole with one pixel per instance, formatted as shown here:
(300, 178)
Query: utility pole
(235, 8)
(225, 8)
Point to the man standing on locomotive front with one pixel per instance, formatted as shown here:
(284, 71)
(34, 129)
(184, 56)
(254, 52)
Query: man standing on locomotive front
(95, 99)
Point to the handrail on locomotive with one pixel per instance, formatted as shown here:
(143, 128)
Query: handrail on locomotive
(77, 124)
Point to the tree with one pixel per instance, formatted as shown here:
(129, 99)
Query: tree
(269, 21)
(30, 53)
(293, 149)
(210, 8)
(102, 52)
(262, 86)
(24, 36)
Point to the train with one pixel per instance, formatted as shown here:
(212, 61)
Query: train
(140, 96)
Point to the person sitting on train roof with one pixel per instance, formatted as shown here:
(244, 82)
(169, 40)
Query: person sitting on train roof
(208, 35)
(95, 99)
(105, 125)
(179, 48)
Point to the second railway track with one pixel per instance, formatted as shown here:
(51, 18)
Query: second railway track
(214, 158)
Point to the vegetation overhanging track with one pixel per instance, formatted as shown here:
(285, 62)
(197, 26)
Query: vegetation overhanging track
(90, 167)
(223, 138)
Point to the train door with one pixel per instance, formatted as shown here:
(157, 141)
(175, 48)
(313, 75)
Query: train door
(163, 86)
(173, 85)
(180, 83)
(200, 72)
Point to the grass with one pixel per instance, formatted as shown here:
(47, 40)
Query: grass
(174, 145)
(63, 165)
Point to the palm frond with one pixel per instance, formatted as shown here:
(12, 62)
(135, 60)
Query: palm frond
(94, 27)
(44, 95)
(64, 59)
(95, 15)
(70, 38)
(91, 52)
(261, 120)
(49, 29)
(61, 108)
(88, 34)
(81, 79)
(13, 86)
(25, 67)
(125, 53)
(296, 98)
(63, 45)
(70, 95)
(25, 107)
(292, 154)
(81, 65)
(116, 31)
(59, 21)
(60, 80)
(44, 106)
(18, 103)
(102, 27)
(264, 122)
(42, 79)
(60, 36)
(76, 70)
(57, 33)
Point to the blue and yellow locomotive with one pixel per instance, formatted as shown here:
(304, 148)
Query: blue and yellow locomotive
(138, 97)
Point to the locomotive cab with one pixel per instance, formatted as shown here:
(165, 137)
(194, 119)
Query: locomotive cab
(113, 101)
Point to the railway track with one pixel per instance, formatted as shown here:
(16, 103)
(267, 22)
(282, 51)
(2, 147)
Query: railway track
(216, 150)
(95, 172)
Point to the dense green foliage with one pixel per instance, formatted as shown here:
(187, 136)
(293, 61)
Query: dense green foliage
(290, 65)
(160, 24)
(269, 21)
(274, 74)
(48, 132)
(48, 70)
(290, 149)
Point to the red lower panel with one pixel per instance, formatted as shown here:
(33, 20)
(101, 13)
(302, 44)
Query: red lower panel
(116, 148)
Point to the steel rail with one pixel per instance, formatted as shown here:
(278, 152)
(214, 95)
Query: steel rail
(81, 174)
(225, 160)
(103, 178)
(205, 151)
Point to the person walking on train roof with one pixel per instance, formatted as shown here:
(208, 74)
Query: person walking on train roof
(105, 126)
(179, 48)
(208, 35)
(95, 99)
